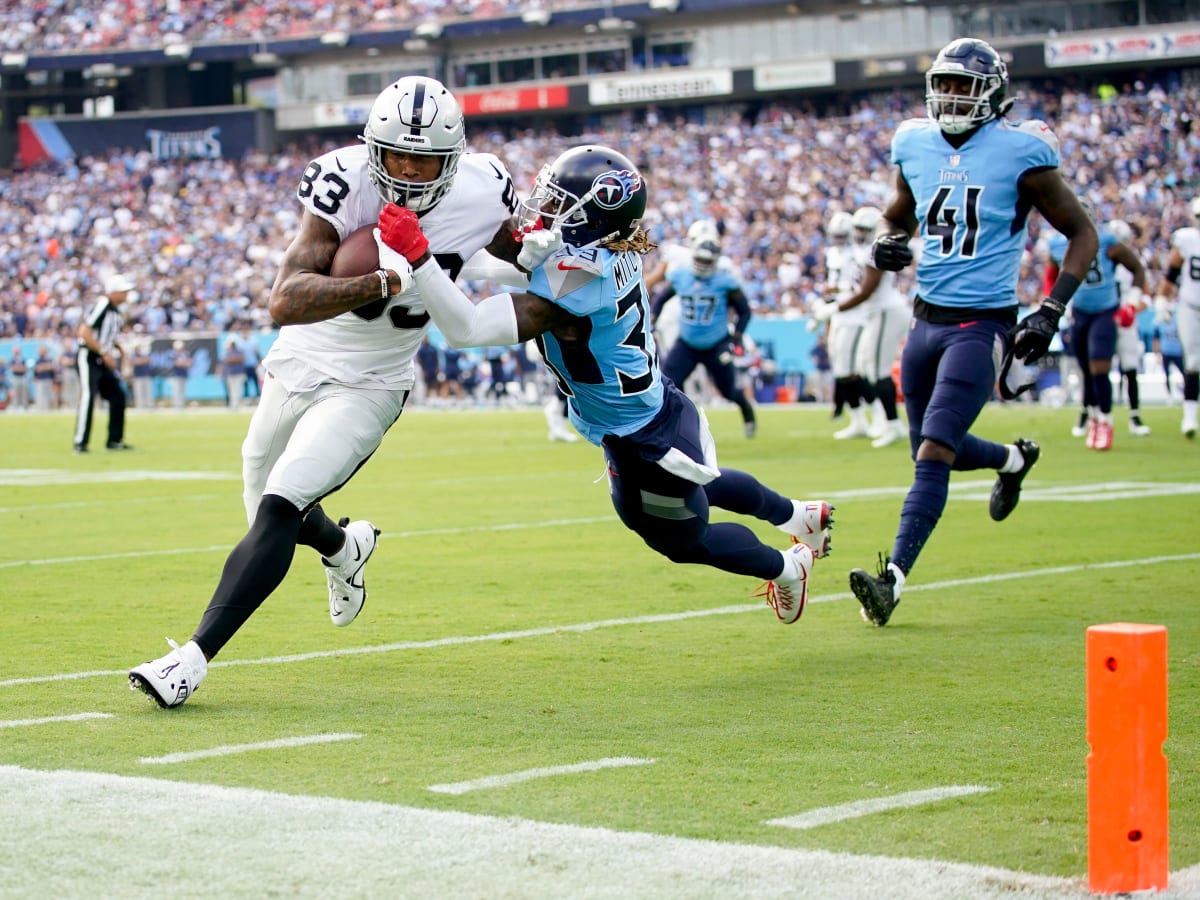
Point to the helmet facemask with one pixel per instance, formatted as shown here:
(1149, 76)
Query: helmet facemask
(416, 116)
(959, 111)
(705, 257)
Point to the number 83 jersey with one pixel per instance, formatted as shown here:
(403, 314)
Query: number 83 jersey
(970, 216)
(375, 344)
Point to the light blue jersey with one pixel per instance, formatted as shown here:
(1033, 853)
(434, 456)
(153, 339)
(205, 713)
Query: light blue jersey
(1099, 291)
(610, 374)
(970, 218)
(703, 306)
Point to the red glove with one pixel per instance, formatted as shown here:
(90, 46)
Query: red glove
(1126, 315)
(400, 230)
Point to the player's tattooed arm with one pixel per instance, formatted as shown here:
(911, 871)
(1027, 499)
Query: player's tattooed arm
(303, 292)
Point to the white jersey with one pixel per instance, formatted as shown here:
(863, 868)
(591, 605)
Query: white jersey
(886, 296)
(374, 345)
(844, 272)
(1187, 242)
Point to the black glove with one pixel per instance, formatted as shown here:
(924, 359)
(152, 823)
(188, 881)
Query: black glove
(1030, 338)
(890, 253)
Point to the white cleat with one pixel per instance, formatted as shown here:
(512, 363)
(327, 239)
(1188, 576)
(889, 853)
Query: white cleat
(811, 524)
(893, 431)
(347, 589)
(171, 679)
(1138, 428)
(853, 430)
(788, 593)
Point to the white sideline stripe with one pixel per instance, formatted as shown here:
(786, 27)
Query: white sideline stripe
(43, 477)
(232, 749)
(614, 623)
(243, 842)
(48, 720)
(827, 814)
(429, 532)
(1088, 493)
(495, 781)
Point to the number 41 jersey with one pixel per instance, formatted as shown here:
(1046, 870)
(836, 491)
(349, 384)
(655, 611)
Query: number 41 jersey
(969, 214)
(374, 345)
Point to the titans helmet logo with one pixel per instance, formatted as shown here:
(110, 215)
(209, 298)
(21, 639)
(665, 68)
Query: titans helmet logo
(614, 188)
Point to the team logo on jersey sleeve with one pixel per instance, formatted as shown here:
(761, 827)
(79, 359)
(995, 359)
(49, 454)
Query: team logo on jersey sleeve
(613, 188)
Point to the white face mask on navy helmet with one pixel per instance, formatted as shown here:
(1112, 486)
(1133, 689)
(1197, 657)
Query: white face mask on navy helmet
(972, 64)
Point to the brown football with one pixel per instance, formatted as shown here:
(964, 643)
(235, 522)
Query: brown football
(357, 254)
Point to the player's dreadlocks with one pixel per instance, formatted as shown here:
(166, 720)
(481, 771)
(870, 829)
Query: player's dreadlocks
(639, 243)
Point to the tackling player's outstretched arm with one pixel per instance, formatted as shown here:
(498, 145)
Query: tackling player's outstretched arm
(499, 320)
(304, 292)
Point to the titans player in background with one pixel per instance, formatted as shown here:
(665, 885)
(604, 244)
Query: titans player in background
(707, 295)
(964, 184)
(1094, 311)
(586, 305)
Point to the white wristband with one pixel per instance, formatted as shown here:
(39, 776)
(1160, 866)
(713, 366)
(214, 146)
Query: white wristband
(385, 289)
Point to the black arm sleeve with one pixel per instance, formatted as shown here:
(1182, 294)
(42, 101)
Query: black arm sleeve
(660, 300)
(741, 307)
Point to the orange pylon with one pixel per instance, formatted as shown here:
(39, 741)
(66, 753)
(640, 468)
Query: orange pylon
(1126, 768)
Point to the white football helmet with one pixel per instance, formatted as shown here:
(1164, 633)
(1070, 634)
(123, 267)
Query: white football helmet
(705, 257)
(1121, 231)
(416, 115)
(1194, 209)
(840, 226)
(703, 231)
(866, 220)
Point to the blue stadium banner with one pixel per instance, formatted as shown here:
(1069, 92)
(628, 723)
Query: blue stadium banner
(208, 133)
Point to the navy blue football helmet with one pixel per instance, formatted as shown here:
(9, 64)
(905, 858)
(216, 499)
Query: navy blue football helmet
(972, 64)
(591, 194)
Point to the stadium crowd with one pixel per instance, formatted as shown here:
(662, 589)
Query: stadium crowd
(54, 26)
(202, 238)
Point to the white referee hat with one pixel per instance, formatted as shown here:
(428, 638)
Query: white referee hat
(116, 284)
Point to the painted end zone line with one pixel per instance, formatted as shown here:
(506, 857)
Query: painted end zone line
(827, 814)
(47, 720)
(493, 781)
(231, 749)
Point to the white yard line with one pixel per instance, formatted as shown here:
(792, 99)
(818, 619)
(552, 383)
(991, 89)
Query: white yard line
(50, 720)
(244, 843)
(496, 781)
(827, 814)
(616, 623)
(233, 749)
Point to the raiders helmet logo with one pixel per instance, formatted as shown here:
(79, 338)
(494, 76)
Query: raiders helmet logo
(614, 188)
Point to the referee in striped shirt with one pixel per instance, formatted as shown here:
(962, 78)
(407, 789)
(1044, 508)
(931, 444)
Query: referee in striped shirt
(97, 361)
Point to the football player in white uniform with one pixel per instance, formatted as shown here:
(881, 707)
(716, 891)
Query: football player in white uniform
(843, 274)
(342, 368)
(1183, 276)
(888, 315)
(1130, 349)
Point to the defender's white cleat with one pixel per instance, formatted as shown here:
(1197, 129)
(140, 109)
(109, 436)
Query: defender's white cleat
(347, 589)
(811, 524)
(171, 679)
(788, 593)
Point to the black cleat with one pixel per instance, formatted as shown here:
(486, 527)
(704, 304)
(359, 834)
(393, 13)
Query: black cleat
(876, 593)
(117, 445)
(1007, 489)
(81, 448)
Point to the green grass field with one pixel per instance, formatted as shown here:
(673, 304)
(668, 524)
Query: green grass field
(514, 625)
